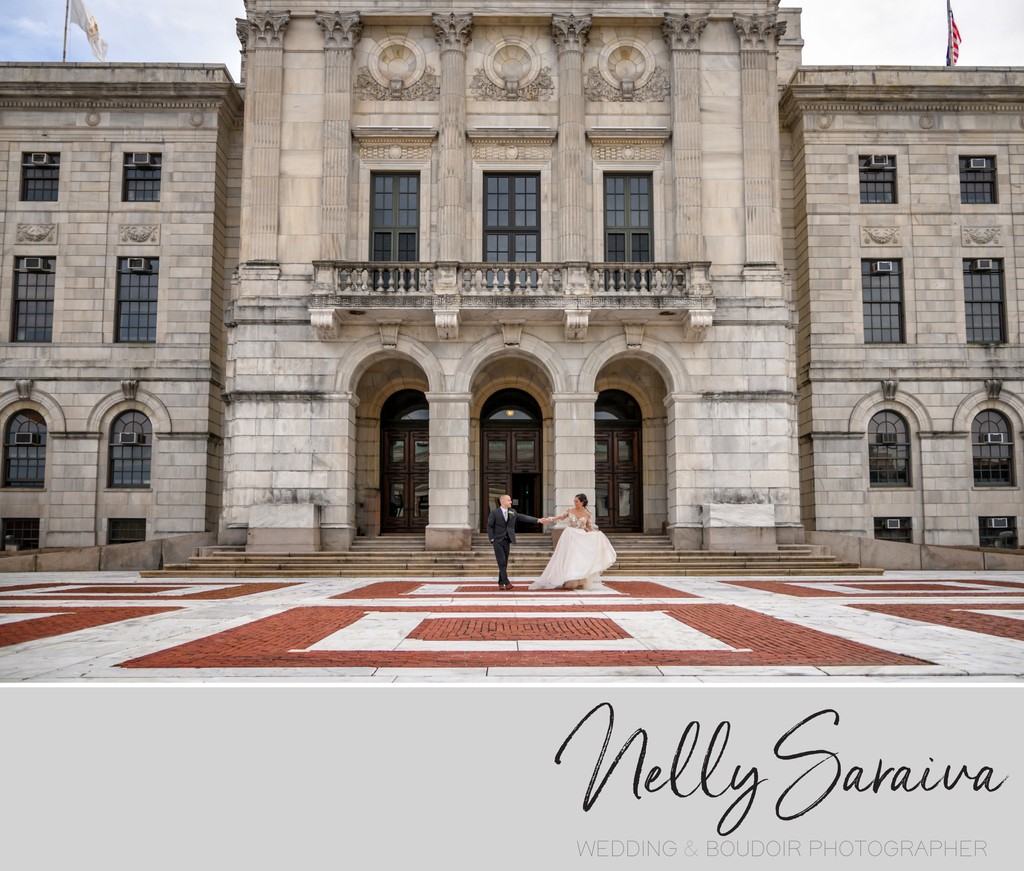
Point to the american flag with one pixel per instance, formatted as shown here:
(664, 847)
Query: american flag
(953, 50)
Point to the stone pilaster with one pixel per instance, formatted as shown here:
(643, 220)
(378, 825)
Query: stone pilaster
(573, 447)
(341, 33)
(758, 44)
(453, 34)
(450, 494)
(682, 33)
(264, 47)
(571, 33)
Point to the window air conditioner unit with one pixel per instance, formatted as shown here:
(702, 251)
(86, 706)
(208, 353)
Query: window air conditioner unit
(39, 158)
(883, 266)
(26, 438)
(131, 438)
(978, 163)
(892, 523)
(885, 438)
(994, 438)
(140, 158)
(998, 523)
(878, 160)
(34, 264)
(982, 265)
(138, 264)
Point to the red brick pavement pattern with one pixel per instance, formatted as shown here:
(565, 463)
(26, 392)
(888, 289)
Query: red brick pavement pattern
(396, 589)
(65, 620)
(648, 590)
(132, 591)
(511, 629)
(280, 641)
(381, 590)
(888, 589)
(959, 616)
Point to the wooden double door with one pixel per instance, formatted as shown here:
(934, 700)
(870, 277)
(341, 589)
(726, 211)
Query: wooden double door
(405, 484)
(617, 478)
(512, 464)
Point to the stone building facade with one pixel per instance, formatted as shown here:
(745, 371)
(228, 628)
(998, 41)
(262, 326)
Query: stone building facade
(629, 249)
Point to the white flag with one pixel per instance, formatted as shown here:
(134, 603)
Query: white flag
(87, 21)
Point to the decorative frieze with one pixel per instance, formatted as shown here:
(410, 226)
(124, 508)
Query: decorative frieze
(427, 87)
(982, 236)
(647, 146)
(412, 145)
(37, 234)
(512, 72)
(626, 72)
(540, 89)
(598, 90)
(880, 236)
(139, 234)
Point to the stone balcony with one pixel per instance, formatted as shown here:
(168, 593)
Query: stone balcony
(571, 294)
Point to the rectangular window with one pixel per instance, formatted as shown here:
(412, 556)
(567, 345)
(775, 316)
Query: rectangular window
(894, 529)
(877, 178)
(40, 176)
(997, 531)
(136, 299)
(627, 218)
(977, 179)
(882, 289)
(32, 315)
(984, 307)
(21, 532)
(512, 218)
(123, 530)
(395, 219)
(142, 177)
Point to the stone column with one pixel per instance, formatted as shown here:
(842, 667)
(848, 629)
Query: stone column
(688, 467)
(262, 166)
(570, 33)
(449, 527)
(341, 33)
(573, 447)
(682, 33)
(758, 45)
(453, 34)
(337, 439)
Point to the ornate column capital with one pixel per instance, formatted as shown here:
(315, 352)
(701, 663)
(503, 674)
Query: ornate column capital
(341, 30)
(570, 33)
(758, 32)
(682, 32)
(453, 31)
(266, 30)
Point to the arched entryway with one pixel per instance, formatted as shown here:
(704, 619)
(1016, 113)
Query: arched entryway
(618, 465)
(405, 462)
(510, 454)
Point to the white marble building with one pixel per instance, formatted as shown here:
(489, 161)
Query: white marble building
(630, 249)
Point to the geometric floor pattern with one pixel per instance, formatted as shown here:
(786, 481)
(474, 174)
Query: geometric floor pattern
(115, 626)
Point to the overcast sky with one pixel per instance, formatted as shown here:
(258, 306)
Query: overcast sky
(844, 32)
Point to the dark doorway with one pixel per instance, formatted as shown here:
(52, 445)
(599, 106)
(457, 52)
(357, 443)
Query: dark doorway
(405, 462)
(510, 455)
(618, 464)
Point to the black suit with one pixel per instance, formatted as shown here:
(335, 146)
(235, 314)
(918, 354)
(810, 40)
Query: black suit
(501, 533)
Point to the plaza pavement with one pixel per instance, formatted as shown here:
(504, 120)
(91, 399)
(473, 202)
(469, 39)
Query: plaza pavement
(116, 627)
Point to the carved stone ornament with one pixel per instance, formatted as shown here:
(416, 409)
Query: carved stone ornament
(880, 235)
(540, 89)
(982, 236)
(576, 323)
(24, 387)
(570, 33)
(758, 32)
(927, 122)
(340, 30)
(447, 323)
(598, 90)
(140, 233)
(452, 31)
(389, 334)
(696, 323)
(326, 323)
(889, 388)
(634, 335)
(427, 87)
(37, 233)
(682, 32)
(512, 333)
(993, 387)
(826, 120)
(130, 388)
(266, 29)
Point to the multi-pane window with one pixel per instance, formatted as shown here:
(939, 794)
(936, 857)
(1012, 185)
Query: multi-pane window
(20, 531)
(137, 279)
(894, 529)
(882, 291)
(512, 218)
(984, 305)
(395, 226)
(40, 176)
(888, 451)
(627, 218)
(141, 177)
(992, 449)
(32, 315)
(877, 178)
(997, 531)
(131, 450)
(25, 450)
(977, 180)
(122, 530)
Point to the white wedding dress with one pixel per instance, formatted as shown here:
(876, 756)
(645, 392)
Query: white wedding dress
(582, 553)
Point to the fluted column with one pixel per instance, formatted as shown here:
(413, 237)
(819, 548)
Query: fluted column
(453, 34)
(571, 33)
(682, 33)
(341, 33)
(264, 47)
(758, 45)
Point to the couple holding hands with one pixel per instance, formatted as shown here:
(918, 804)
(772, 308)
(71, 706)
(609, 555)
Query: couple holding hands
(582, 552)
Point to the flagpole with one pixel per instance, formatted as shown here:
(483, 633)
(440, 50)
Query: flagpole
(67, 8)
(949, 31)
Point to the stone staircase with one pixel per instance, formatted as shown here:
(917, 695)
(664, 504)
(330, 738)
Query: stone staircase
(396, 556)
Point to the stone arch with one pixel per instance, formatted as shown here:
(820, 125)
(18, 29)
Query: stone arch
(148, 403)
(660, 355)
(364, 354)
(530, 347)
(904, 404)
(11, 402)
(1008, 403)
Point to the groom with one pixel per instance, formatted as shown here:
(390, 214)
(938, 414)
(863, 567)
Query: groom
(501, 533)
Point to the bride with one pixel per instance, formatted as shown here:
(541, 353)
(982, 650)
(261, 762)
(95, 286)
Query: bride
(582, 552)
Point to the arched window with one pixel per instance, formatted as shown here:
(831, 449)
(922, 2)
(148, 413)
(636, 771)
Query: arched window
(992, 447)
(888, 451)
(131, 450)
(25, 450)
